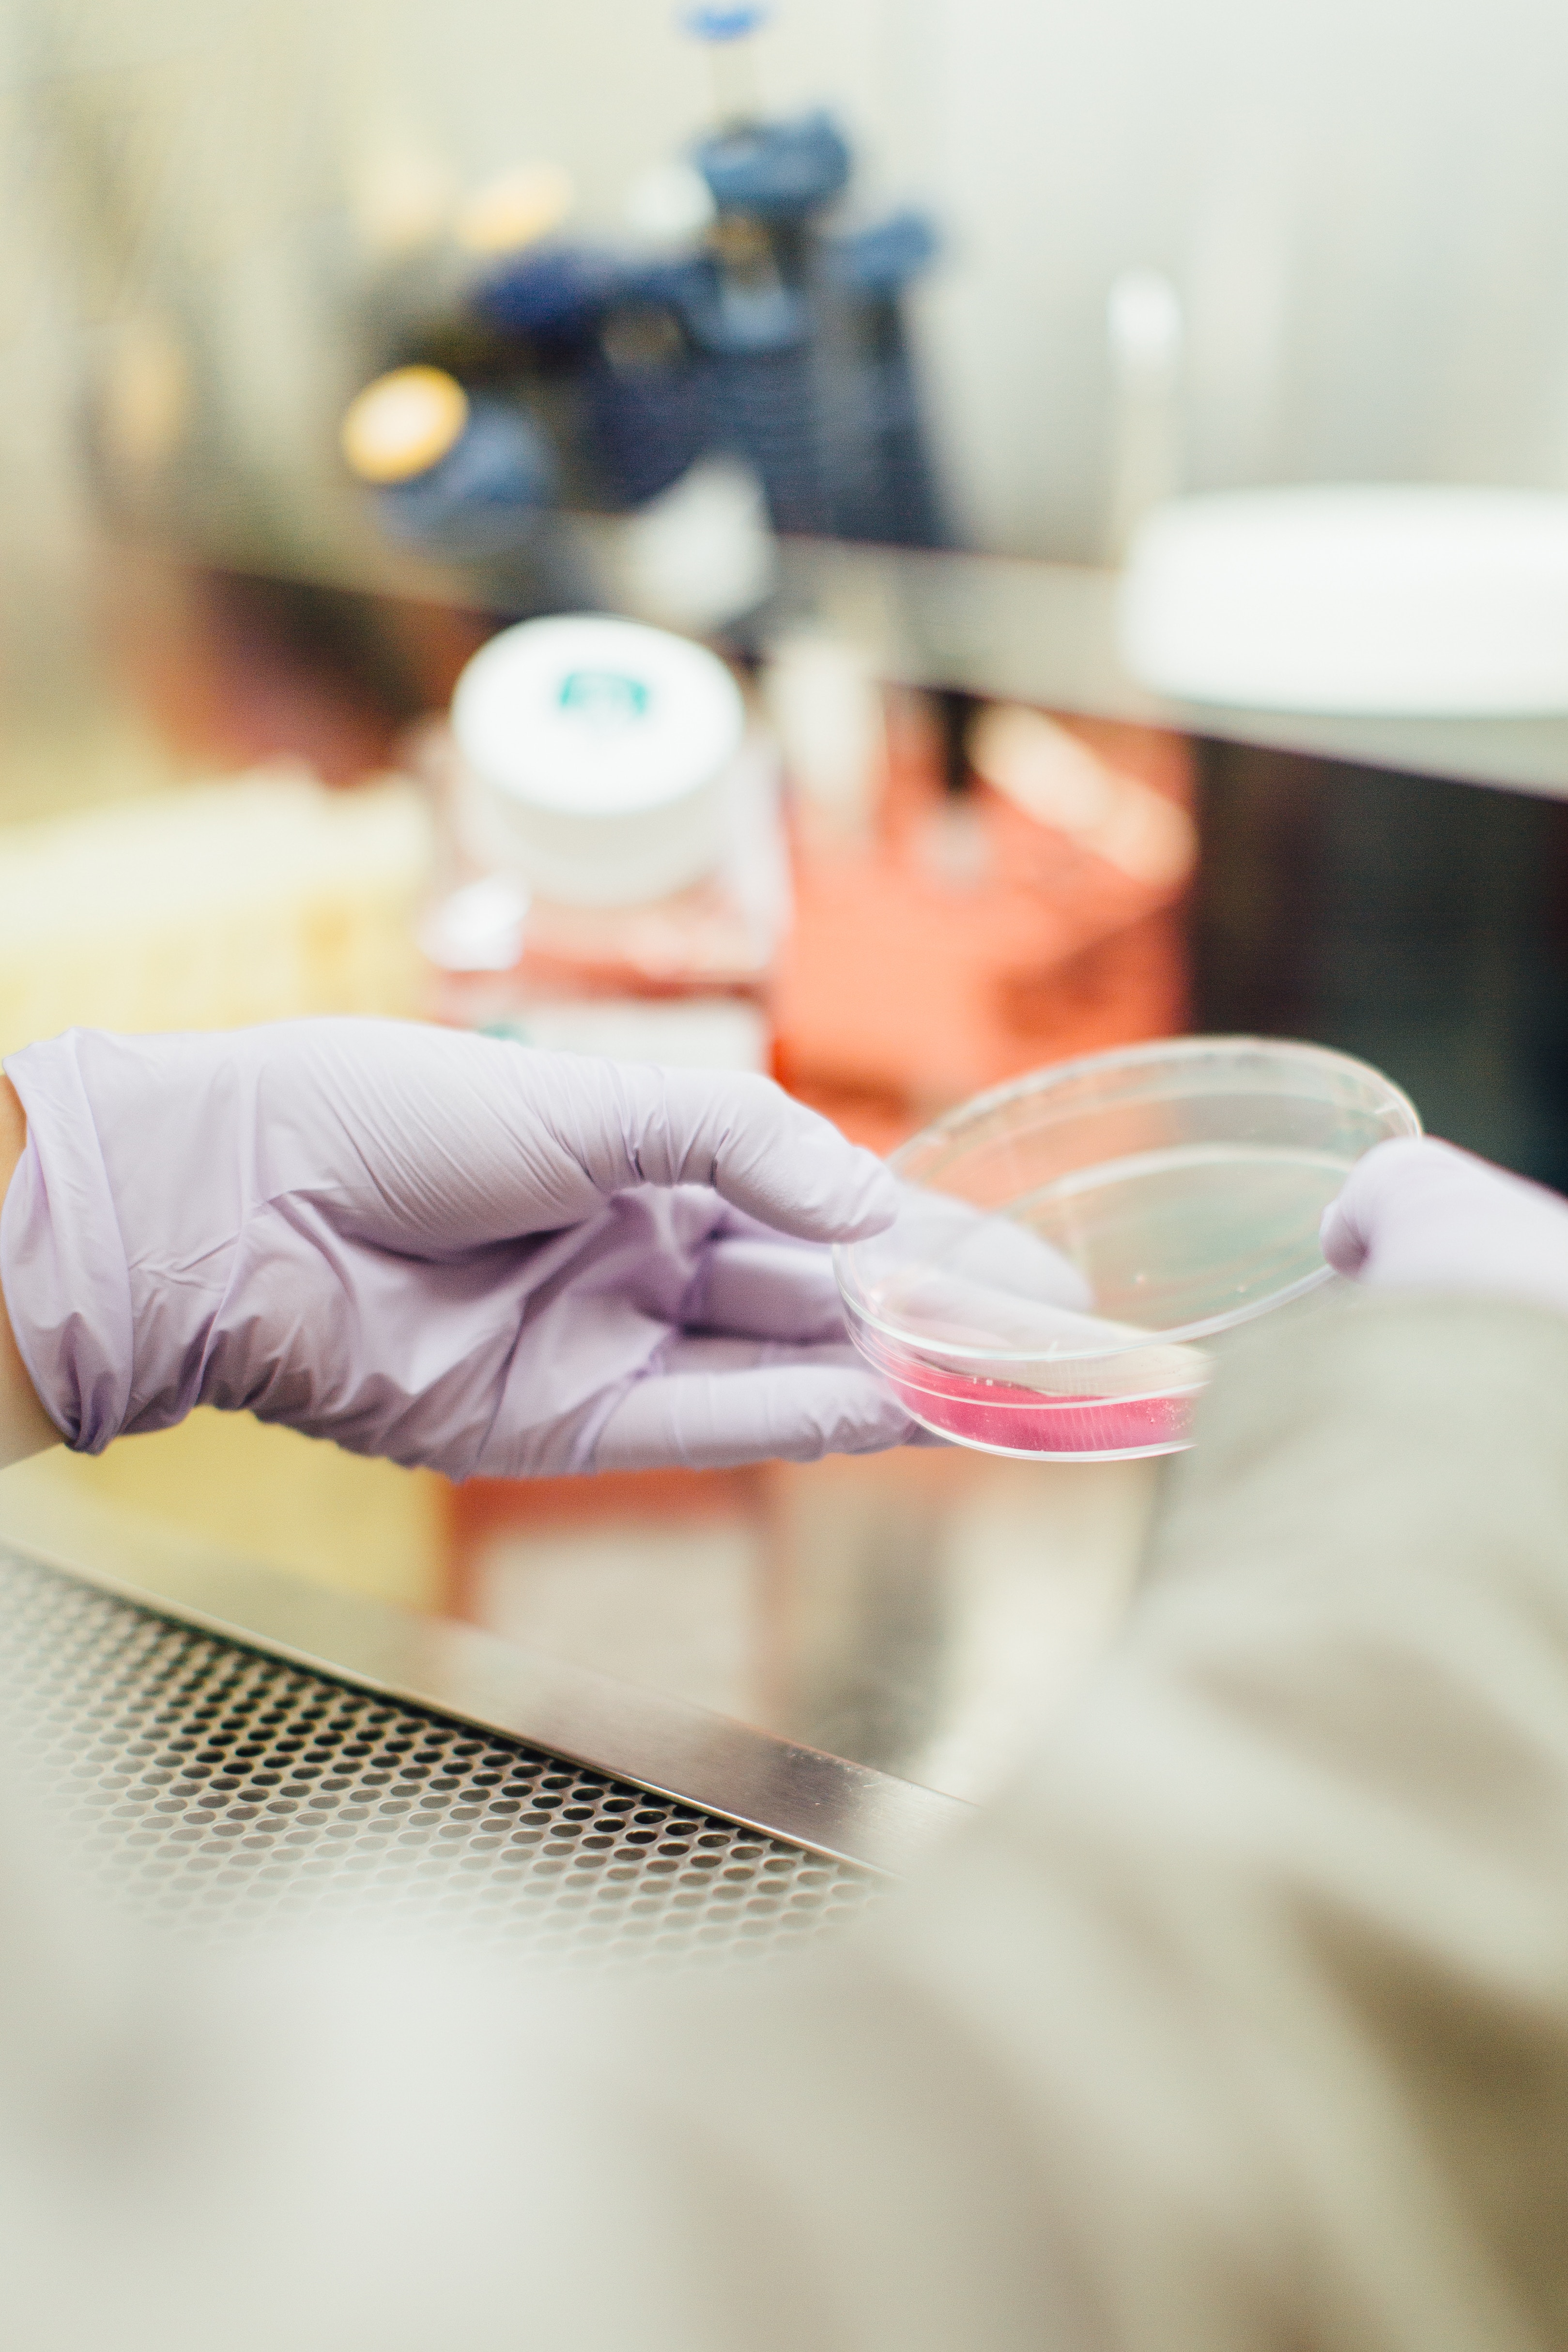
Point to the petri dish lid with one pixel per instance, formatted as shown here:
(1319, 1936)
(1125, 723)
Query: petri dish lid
(1089, 1229)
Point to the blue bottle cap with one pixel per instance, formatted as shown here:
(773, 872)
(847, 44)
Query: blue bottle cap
(884, 257)
(555, 290)
(731, 23)
(779, 170)
(485, 493)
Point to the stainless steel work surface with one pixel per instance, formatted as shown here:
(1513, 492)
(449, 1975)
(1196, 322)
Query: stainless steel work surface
(219, 1788)
(924, 1613)
(857, 1637)
(241, 1748)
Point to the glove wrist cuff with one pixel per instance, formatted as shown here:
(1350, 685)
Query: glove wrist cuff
(62, 1262)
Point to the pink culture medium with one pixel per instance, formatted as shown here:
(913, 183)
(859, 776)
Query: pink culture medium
(1014, 1419)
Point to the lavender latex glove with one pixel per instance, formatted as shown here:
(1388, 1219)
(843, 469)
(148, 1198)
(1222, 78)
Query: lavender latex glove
(1420, 1215)
(434, 1246)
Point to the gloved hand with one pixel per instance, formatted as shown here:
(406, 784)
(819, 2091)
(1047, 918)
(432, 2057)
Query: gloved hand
(430, 1245)
(1420, 1215)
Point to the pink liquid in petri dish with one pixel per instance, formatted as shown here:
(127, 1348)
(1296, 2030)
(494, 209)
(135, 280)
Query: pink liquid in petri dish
(1021, 1421)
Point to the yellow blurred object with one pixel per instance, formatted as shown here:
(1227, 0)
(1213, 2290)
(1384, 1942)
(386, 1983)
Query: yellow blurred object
(403, 424)
(223, 1483)
(516, 208)
(256, 900)
(400, 194)
(146, 395)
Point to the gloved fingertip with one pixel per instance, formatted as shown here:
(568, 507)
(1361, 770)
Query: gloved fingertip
(1339, 1240)
(1349, 1223)
(820, 1187)
(870, 1198)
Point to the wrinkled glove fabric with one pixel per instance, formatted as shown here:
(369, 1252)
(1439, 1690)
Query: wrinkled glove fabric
(455, 1252)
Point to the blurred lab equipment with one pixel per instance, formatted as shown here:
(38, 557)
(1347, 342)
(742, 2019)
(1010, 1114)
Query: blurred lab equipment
(696, 556)
(737, 328)
(465, 473)
(962, 936)
(247, 222)
(1054, 776)
(1072, 1252)
(598, 758)
(615, 875)
(769, 339)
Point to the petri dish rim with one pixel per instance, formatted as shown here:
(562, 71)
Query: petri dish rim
(1167, 1053)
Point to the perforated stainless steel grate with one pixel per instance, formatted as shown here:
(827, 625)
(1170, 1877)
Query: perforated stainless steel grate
(219, 1788)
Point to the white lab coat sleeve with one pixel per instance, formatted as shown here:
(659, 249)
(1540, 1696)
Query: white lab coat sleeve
(1241, 2020)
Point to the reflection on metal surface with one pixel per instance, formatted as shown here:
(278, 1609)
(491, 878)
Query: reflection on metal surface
(656, 1742)
(920, 1613)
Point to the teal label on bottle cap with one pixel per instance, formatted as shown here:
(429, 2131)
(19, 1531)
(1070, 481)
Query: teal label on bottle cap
(607, 698)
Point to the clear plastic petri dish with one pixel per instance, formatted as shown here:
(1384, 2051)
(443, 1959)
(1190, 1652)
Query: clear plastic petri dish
(1072, 1251)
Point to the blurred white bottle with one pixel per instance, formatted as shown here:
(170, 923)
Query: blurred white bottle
(618, 874)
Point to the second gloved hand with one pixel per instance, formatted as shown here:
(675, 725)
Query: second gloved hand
(1416, 1214)
(453, 1251)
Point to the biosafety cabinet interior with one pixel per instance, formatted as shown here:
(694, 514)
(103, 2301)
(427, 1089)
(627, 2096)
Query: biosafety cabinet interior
(217, 1786)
